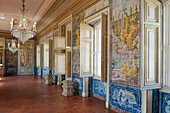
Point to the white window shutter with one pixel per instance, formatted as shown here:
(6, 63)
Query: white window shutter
(104, 47)
(41, 55)
(59, 55)
(152, 45)
(50, 54)
(86, 50)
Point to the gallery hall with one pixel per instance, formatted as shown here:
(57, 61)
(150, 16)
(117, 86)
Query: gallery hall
(84, 56)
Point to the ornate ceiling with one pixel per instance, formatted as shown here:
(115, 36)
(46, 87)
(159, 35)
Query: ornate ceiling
(47, 13)
(10, 9)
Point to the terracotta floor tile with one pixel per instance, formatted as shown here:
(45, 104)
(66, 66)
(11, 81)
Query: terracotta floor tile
(29, 94)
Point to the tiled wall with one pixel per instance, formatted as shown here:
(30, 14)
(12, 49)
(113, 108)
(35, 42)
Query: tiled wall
(99, 88)
(155, 101)
(125, 94)
(164, 102)
(44, 72)
(11, 60)
(36, 70)
(127, 98)
(78, 82)
(125, 57)
(125, 42)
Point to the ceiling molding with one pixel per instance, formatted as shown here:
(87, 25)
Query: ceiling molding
(46, 10)
(16, 15)
(76, 7)
(38, 9)
(55, 5)
(6, 35)
(3, 22)
(5, 31)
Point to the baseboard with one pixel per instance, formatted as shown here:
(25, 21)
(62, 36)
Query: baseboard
(99, 97)
(84, 94)
(118, 110)
(107, 104)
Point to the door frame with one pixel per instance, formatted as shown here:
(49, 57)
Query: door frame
(166, 40)
(66, 21)
(26, 58)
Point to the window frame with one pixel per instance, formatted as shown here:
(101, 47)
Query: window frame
(166, 48)
(96, 52)
(38, 56)
(89, 20)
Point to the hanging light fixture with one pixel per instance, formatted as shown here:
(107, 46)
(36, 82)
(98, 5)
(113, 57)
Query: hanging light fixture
(12, 46)
(23, 32)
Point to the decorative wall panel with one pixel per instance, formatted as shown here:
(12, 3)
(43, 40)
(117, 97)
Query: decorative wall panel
(125, 49)
(36, 70)
(164, 100)
(155, 101)
(99, 88)
(77, 83)
(44, 72)
(90, 83)
(125, 97)
(11, 60)
(77, 19)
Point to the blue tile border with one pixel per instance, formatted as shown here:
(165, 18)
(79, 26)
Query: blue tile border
(77, 83)
(99, 88)
(36, 70)
(155, 101)
(44, 72)
(127, 98)
(164, 102)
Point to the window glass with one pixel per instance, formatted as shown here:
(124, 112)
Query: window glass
(97, 53)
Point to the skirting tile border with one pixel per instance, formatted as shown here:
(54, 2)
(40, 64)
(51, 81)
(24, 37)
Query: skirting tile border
(118, 110)
(99, 97)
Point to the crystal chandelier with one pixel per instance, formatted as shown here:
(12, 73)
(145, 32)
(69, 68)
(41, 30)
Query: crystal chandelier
(23, 32)
(12, 46)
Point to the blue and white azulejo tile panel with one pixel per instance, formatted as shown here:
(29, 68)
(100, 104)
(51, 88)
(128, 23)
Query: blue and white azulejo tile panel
(99, 88)
(164, 99)
(125, 97)
(77, 83)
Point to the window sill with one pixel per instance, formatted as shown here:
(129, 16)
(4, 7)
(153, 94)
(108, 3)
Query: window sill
(98, 78)
(165, 90)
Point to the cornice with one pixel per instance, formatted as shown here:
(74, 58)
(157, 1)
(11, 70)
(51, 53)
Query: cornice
(38, 9)
(6, 35)
(49, 12)
(45, 11)
(4, 31)
(78, 6)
